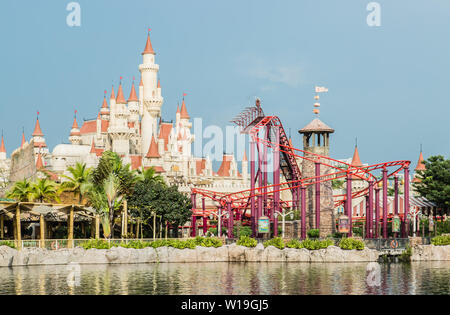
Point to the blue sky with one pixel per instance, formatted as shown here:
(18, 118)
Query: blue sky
(387, 85)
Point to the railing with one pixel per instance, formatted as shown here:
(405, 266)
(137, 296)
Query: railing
(387, 244)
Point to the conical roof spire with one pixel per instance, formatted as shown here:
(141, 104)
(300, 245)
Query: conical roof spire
(356, 161)
(244, 159)
(133, 96)
(39, 163)
(184, 113)
(178, 108)
(113, 96)
(153, 150)
(420, 166)
(141, 83)
(120, 98)
(159, 83)
(75, 124)
(2, 146)
(37, 129)
(105, 103)
(148, 46)
(23, 139)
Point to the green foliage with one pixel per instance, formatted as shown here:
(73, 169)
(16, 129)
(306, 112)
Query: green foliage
(20, 191)
(8, 243)
(441, 240)
(406, 255)
(313, 233)
(434, 182)
(98, 244)
(247, 241)
(337, 184)
(293, 243)
(78, 181)
(152, 196)
(208, 242)
(277, 242)
(148, 175)
(242, 231)
(351, 243)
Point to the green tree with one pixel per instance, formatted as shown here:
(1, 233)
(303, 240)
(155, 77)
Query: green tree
(110, 183)
(20, 191)
(153, 196)
(434, 182)
(148, 174)
(44, 189)
(78, 181)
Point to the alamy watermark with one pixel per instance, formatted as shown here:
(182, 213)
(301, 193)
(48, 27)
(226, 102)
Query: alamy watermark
(74, 17)
(73, 278)
(374, 274)
(374, 17)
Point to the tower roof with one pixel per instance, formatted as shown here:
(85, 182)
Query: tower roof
(39, 163)
(153, 150)
(244, 159)
(159, 84)
(120, 98)
(141, 83)
(105, 103)
(37, 129)
(224, 169)
(2, 146)
(420, 166)
(356, 161)
(113, 96)
(316, 125)
(75, 124)
(148, 46)
(178, 108)
(133, 96)
(23, 139)
(184, 113)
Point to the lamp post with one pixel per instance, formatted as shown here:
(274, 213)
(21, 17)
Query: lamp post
(283, 215)
(219, 216)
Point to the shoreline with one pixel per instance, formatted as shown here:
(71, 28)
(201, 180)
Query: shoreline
(10, 257)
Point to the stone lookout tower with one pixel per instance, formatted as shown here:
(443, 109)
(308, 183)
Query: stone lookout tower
(316, 139)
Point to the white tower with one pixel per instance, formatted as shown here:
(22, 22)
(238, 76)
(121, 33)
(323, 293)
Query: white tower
(152, 100)
(75, 135)
(118, 127)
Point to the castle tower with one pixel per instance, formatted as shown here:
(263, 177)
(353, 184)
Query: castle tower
(316, 139)
(2, 149)
(358, 184)
(152, 99)
(118, 128)
(75, 135)
(38, 139)
(104, 111)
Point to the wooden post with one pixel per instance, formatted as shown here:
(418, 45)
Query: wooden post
(2, 226)
(137, 227)
(42, 230)
(70, 237)
(18, 229)
(125, 218)
(97, 227)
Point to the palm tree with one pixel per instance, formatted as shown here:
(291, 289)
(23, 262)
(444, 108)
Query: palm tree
(148, 175)
(79, 181)
(44, 189)
(111, 183)
(21, 191)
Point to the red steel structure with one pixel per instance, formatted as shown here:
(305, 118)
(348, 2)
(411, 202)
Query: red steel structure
(263, 199)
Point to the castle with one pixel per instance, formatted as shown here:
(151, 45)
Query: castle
(133, 129)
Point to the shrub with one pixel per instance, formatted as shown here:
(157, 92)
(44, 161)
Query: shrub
(8, 243)
(277, 242)
(315, 244)
(441, 240)
(313, 233)
(247, 241)
(208, 242)
(135, 244)
(351, 243)
(293, 244)
(406, 255)
(98, 244)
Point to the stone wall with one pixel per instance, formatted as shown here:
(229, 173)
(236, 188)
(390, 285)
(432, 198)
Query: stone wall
(226, 253)
(430, 253)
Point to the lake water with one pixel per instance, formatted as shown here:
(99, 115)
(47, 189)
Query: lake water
(227, 278)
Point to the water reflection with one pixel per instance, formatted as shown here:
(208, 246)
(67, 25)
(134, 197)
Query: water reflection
(229, 278)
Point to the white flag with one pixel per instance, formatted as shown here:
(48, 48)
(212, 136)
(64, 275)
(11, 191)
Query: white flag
(320, 89)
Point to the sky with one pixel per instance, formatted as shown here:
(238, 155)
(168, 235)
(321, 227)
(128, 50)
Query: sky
(387, 84)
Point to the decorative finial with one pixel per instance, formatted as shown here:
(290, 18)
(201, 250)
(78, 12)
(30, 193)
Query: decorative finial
(421, 148)
(356, 142)
(75, 115)
(184, 94)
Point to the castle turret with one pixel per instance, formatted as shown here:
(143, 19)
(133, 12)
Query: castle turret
(316, 136)
(104, 111)
(38, 139)
(118, 127)
(152, 99)
(75, 135)
(2, 149)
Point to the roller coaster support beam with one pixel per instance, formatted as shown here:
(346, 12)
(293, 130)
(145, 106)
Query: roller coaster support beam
(370, 209)
(303, 209)
(377, 212)
(230, 220)
(317, 173)
(260, 182)
(252, 186)
(205, 220)
(385, 203)
(366, 214)
(348, 203)
(395, 196)
(194, 218)
(265, 173)
(276, 181)
(406, 200)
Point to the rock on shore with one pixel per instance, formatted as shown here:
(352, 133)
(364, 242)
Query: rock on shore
(430, 253)
(226, 253)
